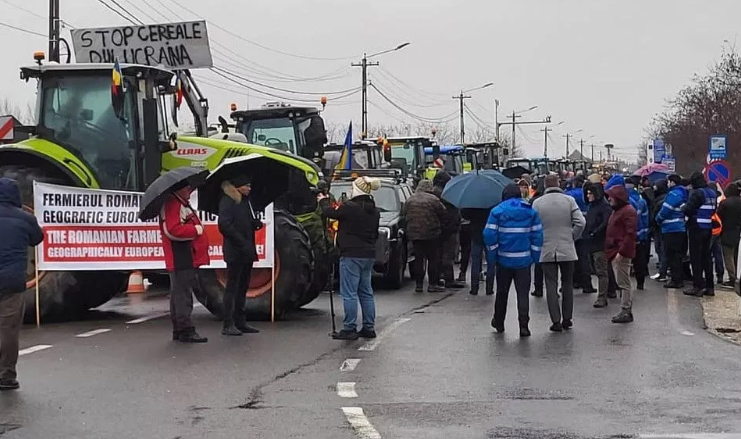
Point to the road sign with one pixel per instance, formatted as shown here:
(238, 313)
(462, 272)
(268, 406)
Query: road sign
(6, 128)
(718, 147)
(718, 171)
(659, 150)
(670, 163)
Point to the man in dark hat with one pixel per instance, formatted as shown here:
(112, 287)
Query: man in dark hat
(699, 210)
(237, 223)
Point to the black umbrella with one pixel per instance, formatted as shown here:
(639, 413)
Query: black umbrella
(515, 172)
(270, 178)
(154, 196)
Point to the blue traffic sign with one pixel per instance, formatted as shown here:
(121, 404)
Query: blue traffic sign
(659, 150)
(718, 171)
(718, 149)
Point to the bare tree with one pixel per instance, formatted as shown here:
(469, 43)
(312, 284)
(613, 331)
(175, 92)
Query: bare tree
(10, 108)
(708, 106)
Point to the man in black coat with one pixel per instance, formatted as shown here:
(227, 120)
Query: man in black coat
(729, 212)
(237, 223)
(451, 227)
(20, 231)
(595, 233)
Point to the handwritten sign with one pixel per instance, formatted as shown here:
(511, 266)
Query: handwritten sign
(174, 46)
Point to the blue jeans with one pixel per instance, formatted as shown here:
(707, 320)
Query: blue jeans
(355, 285)
(661, 253)
(477, 259)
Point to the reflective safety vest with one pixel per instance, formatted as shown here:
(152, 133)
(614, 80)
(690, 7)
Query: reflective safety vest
(717, 225)
(707, 210)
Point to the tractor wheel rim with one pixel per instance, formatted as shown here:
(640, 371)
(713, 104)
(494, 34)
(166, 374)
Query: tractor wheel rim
(263, 287)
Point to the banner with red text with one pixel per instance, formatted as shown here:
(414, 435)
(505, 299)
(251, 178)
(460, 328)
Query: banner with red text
(92, 229)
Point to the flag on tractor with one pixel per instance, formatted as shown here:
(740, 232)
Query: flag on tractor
(117, 89)
(178, 92)
(346, 157)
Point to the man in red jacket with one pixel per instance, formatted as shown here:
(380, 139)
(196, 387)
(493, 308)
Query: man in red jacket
(186, 249)
(620, 247)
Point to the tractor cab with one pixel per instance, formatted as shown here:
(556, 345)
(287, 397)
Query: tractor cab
(298, 130)
(448, 158)
(409, 153)
(113, 140)
(536, 165)
(487, 155)
(365, 155)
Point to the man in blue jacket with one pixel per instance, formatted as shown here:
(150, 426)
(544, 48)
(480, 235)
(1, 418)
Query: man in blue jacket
(643, 243)
(514, 239)
(20, 231)
(673, 229)
(699, 210)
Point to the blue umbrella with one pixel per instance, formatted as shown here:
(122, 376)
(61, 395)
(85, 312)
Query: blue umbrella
(476, 190)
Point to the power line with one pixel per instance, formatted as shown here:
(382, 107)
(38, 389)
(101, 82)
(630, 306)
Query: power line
(20, 29)
(270, 49)
(223, 70)
(421, 92)
(117, 12)
(444, 119)
(140, 10)
(24, 9)
(273, 95)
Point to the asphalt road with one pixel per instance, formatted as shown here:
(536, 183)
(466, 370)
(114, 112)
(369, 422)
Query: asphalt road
(437, 371)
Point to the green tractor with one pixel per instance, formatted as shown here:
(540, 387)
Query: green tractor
(80, 140)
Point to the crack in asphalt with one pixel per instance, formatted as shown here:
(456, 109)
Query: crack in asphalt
(7, 427)
(256, 394)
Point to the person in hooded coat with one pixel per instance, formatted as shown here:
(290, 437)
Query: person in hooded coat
(699, 210)
(514, 239)
(358, 220)
(563, 223)
(620, 247)
(20, 231)
(595, 233)
(660, 190)
(237, 224)
(449, 233)
(729, 212)
(423, 214)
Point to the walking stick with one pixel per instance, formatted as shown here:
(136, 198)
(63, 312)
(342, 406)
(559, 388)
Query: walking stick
(331, 299)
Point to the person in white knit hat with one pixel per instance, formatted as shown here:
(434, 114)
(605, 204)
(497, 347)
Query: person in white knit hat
(358, 220)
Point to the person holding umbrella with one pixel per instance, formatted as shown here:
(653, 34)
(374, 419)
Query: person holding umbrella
(237, 223)
(186, 248)
(183, 241)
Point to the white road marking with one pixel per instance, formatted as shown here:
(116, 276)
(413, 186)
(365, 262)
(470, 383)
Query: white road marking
(691, 436)
(360, 423)
(93, 332)
(373, 344)
(32, 349)
(350, 364)
(346, 390)
(688, 333)
(147, 318)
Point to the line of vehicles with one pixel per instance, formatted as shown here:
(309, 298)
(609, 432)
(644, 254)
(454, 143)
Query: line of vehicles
(81, 139)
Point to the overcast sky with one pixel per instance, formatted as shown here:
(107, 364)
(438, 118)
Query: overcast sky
(602, 66)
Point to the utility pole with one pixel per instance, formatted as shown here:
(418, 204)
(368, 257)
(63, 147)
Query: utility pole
(600, 156)
(592, 152)
(545, 147)
(581, 149)
(461, 97)
(514, 124)
(496, 119)
(568, 137)
(364, 64)
(54, 30)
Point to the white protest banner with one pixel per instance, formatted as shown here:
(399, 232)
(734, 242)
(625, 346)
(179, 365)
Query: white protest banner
(92, 229)
(174, 46)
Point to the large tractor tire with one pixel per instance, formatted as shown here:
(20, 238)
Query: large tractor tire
(293, 267)
(320, 249)
(63, 295)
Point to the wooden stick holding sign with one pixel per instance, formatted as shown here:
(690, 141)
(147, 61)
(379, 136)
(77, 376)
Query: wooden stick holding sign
(36, 274)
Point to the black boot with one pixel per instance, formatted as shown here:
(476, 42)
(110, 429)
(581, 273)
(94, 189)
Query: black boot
(230, 329)
(625, 316)
(244, 328)
(191, 336)
(489, 287)
(695, 292)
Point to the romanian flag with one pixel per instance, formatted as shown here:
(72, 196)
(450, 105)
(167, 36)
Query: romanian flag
(117, 90)
(346, 157)
(178, 92)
